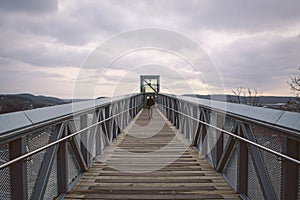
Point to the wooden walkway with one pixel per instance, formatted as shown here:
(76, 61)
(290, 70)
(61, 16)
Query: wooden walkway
(150, 160)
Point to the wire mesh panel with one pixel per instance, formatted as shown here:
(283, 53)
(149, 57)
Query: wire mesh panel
(34, 141)
(5, 185)
(228, 126)
(211, 138)
(230, 170)
(254, 190)
(51, 190)
(271, 139)
(73, 167)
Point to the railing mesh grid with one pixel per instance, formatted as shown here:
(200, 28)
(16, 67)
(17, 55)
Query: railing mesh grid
(272, 140)
(230, 169)
(5, 185)
(34, 141)
(73, 167)
(254, 190)
(52, 190)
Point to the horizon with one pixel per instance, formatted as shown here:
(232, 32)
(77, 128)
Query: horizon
(45, 95)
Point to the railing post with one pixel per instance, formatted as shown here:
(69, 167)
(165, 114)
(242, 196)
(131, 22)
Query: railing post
(83, 137)
(18, 170)
(169, 110)
(289, 170)
(176, 115)
(203, 133)
(242, 170)
(173, 112)
(62, 166)
(220, 139)
(108, 122)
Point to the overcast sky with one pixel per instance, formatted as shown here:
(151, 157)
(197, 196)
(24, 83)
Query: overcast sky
(43, 44)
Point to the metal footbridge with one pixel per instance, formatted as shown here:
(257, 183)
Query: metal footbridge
(109, 149)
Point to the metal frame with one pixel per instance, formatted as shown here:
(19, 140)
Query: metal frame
(194, 120)
(109, 119)
(142, 85)
(211, 121)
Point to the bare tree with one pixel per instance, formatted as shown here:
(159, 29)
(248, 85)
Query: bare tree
(295, 84)
(253, 98)
(237, 95)
(249, 97)
(294, 105)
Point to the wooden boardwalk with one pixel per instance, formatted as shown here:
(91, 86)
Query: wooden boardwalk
(150, 160)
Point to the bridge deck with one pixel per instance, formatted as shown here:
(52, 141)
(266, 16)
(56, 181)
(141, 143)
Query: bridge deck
(150, 160)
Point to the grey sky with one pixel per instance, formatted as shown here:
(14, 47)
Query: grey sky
(253, 44)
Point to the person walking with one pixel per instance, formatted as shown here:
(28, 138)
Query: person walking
(150, 104)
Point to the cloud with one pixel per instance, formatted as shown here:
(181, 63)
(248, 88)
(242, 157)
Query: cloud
(265, 62)
(234, 15)
(32, 6)
(254, 43)
(40, 51)
(23, 77)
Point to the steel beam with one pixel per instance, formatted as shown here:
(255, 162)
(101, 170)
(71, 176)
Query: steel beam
(227, 150)
(220, 139)
(76, 150)
(62, 166)
(242, 170)
(289, 170)
(18, 170)
(83, 137)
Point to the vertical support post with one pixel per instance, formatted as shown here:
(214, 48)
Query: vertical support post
(289, 170)
(98, 141)
(18, 171)
(173, 113)
(220, 139)
(62, 166)
(83, 137)
(203, 133)
(169, 110)
(133, 105)
(176, 115)
(242, 186)
(198, 127)
(194, 125)
(242, 170)
(107, 123)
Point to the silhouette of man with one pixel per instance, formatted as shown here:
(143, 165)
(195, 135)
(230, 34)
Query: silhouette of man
(150, 103)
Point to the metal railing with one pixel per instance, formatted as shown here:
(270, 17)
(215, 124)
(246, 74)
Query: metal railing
(255, 149)
(43, 152)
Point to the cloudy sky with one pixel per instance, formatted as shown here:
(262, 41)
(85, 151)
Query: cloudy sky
(51, 47)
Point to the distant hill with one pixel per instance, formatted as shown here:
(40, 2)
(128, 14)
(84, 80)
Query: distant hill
(18, 102)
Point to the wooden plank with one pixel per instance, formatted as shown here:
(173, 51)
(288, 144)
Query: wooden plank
(160, 197)
(187, 176)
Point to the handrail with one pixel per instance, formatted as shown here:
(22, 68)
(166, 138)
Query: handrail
(16, 132)
(59, 141)
(291, 131)
(239, 137)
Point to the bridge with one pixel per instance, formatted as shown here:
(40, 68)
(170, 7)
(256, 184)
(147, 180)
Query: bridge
(109, 149)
